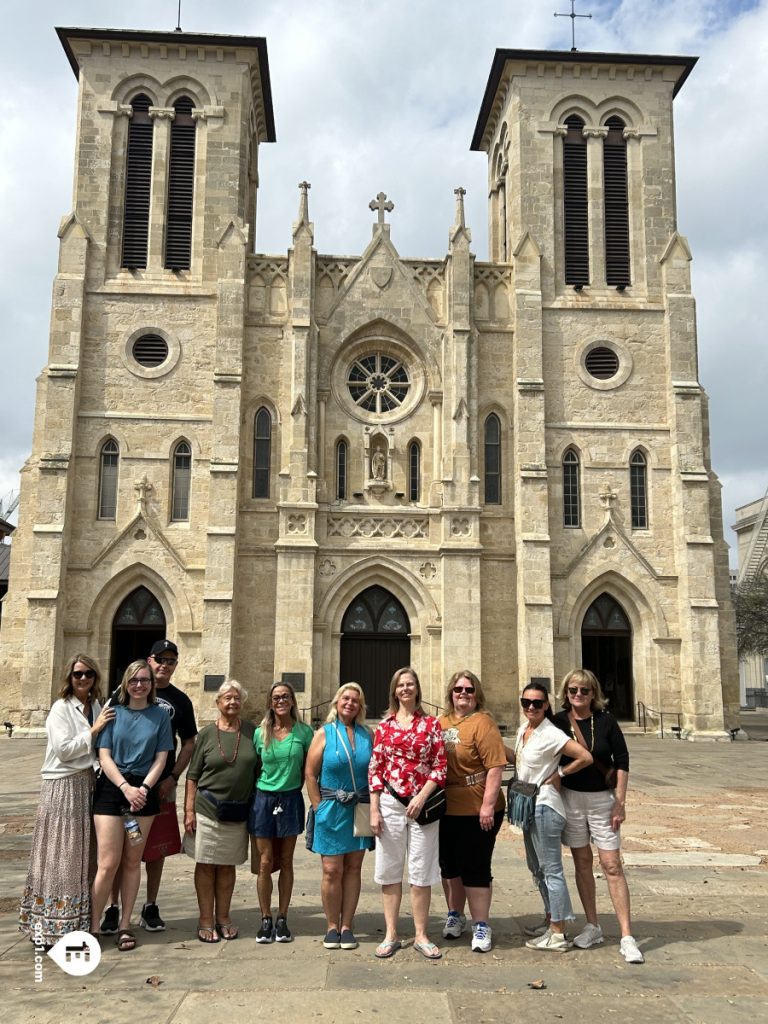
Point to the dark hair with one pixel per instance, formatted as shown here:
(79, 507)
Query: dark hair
(267, 724)
(541, 688)
(66, 688)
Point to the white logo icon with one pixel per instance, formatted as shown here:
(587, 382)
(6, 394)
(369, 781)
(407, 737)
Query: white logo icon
(77, 953)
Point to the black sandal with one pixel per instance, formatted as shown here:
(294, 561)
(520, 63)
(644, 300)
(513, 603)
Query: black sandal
(126, 940)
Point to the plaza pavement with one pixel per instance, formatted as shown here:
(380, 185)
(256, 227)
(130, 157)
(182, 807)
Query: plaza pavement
(696, 842)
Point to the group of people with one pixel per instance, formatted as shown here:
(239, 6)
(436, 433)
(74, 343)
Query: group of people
(424, 792)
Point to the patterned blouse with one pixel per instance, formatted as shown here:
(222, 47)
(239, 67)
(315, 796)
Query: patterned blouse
(407, 756)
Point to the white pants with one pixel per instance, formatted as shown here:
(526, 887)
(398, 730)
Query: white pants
(401, 837)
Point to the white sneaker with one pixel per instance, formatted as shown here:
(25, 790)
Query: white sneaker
(537, 929)
(481, 937)
(455, 925)
(630, 951)
(550, 942)
(590, 935)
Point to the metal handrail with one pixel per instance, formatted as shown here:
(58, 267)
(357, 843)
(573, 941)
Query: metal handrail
(315, 717)
(642, 719)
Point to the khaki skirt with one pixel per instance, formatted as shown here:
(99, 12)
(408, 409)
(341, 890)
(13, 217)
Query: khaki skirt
(217, 842)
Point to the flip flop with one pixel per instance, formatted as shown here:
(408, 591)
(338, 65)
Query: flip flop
(388, 948)
(126, 940)
(428, 950)
(228, 932)
(207, 934)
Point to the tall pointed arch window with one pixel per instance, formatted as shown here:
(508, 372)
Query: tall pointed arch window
(414, 471)
(571, 489)
(109, 464)
(342, 459)
(262, 453)
(492, 452)
(181, 187)
(575, 205)
(138, 184)
(181, 483)
(616, 199)
(638, 490)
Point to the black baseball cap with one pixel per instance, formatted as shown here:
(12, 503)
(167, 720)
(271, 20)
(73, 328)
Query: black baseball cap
(164, 647)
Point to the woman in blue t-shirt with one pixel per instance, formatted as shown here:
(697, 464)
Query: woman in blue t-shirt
(132, 751)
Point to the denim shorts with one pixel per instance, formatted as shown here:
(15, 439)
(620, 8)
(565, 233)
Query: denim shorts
(276, 815)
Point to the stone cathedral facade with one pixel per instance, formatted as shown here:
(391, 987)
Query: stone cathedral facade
(320, 467)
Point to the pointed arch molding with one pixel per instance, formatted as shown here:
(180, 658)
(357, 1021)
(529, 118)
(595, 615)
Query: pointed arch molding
(645, 614)
(178, 613)
(384, 572)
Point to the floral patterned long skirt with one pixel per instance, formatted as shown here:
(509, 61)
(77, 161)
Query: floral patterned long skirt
(57, 896)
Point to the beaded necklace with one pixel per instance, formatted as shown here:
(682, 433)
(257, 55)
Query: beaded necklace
(224, 758)
(591, 729)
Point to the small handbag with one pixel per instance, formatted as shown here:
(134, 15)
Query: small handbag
(434, 808)
(521, 802)
(361, 820)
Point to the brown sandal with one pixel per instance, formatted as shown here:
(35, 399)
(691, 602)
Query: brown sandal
(126, 940)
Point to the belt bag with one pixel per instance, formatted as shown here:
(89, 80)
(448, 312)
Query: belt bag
(227, 810)
(521, 803)
(433, 810)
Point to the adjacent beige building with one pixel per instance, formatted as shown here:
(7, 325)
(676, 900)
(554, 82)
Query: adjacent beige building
(751, 528)
(323, 467)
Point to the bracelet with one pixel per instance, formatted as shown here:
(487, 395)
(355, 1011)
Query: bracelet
(123, 783)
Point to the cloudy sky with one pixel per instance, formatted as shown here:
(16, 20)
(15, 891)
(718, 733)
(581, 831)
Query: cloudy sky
(373, 96)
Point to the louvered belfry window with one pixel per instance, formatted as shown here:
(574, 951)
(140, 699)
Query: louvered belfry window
(576, 212)
(181, 188)
(138, 185)
(616, 204)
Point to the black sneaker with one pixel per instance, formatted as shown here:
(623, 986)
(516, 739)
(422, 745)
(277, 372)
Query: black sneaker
(266, 933)
(111, 920)
(282, 931)
(150, 918)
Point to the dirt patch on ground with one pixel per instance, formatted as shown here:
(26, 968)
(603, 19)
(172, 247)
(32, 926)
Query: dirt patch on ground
(18, 825)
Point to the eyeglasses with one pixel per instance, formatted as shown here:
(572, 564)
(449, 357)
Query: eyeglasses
(583, 690)
(87, 674)
(164, 661)
(280, 697)
(526, 703)
(139, 682)
(463, 689)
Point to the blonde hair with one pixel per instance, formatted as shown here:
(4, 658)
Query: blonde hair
(232, 684)
(333, 714)
(394, 703)
(583, 677)
(67, 689)
(129, 673)
(479, 692)
(267, 724)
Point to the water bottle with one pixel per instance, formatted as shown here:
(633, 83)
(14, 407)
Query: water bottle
(132, 829)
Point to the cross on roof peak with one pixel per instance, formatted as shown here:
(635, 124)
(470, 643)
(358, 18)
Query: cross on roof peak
(381, 203)
(573, 16)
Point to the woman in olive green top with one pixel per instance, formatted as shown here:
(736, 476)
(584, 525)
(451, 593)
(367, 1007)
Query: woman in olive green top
(277, 812)
(220, 781)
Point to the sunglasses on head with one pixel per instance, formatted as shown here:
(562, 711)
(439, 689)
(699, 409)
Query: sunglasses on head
(463, 689)
(536, 704)
(583, 690)
(86, 674)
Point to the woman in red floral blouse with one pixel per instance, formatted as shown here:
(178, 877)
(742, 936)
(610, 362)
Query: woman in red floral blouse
(408, 764)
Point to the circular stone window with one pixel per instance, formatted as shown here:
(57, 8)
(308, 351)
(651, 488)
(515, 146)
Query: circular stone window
(378, 382)
(602, 363)
(604, 366)
(150, 351)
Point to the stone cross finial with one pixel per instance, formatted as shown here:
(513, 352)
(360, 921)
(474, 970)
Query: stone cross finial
(304, 186)
(143, 490)
(381, 203)
(573, 16)
(608, 498)
(460, 192)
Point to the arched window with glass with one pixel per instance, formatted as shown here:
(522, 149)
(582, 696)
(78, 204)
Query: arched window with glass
(638, 489)
(571, 489)
(262, 453)
(342, 460)
(109, 465)
(492, 453)
(181, 482)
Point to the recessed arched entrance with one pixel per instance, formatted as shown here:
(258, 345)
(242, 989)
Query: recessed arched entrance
(375, 642)
(138, 623)
(606, 649)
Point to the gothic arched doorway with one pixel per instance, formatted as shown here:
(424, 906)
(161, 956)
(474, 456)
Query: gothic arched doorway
(138, 623)
(375, 642)
(606, 649)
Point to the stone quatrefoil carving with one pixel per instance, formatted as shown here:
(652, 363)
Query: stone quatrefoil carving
(297, 524)
(461, 527)
(413, 528)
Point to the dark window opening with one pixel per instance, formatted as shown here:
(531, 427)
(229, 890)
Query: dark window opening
(576, 210)
(616, 204)
(638, 490)
(108, 470)
(414, 471)
(138, 183)
(182, 479)
(571, 503)
(341, 470)
(602, 363)
(262, 453)
(181, 188)
(492, 460)
(150, 350)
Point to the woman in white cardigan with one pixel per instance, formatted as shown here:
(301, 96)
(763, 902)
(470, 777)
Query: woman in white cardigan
(56, 897)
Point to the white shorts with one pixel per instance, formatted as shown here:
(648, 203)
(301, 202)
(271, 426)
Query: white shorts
(401, 837)
(589, 819)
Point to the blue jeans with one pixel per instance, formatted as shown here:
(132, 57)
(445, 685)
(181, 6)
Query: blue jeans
(543, 853)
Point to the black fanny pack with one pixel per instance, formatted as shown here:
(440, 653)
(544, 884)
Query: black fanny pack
(227, 810)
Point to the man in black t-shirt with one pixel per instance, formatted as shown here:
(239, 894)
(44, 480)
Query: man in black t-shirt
(163, 838)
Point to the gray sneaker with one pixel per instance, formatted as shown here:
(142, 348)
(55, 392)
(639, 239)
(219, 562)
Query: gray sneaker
(455, 925)
(590, 935)
(630, 951)
(550, 942)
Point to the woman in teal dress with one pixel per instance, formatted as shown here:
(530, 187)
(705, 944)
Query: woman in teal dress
(342, 747)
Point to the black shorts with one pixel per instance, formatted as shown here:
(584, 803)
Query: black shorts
(109, 799)
(466, 849)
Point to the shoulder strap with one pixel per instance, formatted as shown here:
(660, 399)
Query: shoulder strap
(349, 756)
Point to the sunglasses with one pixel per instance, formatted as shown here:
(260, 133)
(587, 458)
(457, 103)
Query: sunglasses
(87, 674)
(279, 698)
(463, 689)
(583, 690)
(526, 703)
(164, 661)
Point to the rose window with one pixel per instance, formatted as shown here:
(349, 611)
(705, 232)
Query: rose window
(378, 383)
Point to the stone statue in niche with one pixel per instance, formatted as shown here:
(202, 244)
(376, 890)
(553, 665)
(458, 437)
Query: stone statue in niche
(378, 464)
